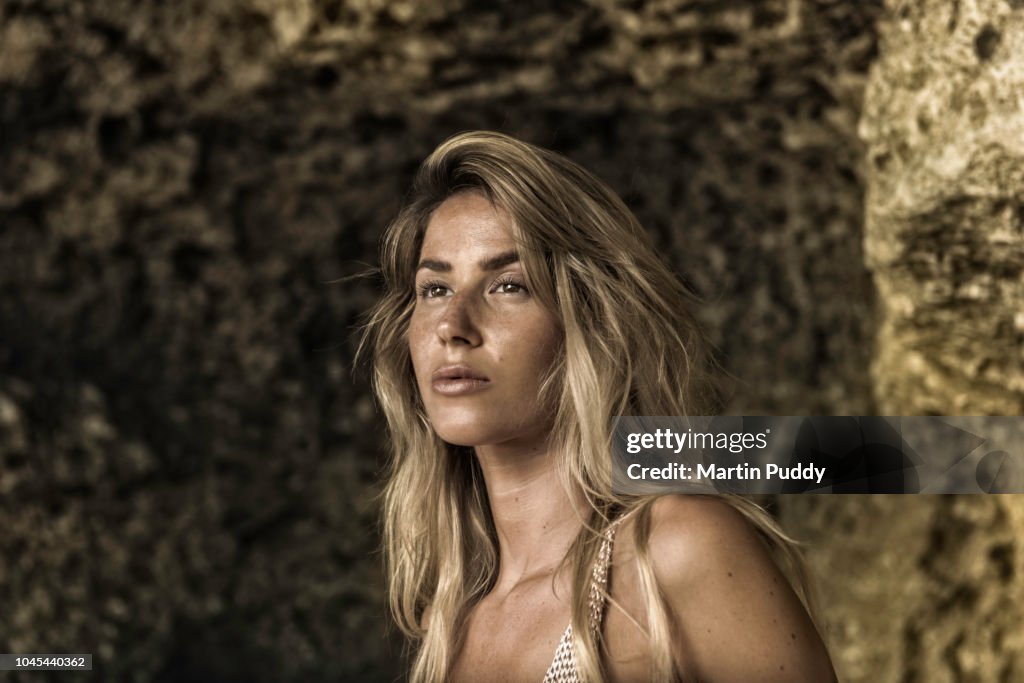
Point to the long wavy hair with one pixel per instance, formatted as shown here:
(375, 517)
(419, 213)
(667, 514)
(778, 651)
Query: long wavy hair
(630, 346)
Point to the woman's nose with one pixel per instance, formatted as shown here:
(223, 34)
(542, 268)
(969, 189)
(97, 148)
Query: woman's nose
(457, 324)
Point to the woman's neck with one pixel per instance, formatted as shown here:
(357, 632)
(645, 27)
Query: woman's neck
(535, 518)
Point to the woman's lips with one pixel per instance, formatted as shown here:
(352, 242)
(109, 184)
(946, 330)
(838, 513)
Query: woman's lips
(459, 386)
(457, 380)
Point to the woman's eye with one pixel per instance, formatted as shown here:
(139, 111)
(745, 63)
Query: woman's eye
(509, 287)
(432, 290)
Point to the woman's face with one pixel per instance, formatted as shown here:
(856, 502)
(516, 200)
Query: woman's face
(480, 342)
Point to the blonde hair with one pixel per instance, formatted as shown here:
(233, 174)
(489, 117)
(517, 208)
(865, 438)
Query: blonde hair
(630, 347)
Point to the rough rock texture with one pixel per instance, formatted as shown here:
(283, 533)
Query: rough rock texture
(917, 589)
(944, 124)
(931, 588)
(187, 467)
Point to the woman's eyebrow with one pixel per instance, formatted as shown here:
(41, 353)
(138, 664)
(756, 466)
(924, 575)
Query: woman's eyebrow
(499, 261)
(431, 264)
(491, 263)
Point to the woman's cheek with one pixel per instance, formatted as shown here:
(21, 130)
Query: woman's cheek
(417, 340)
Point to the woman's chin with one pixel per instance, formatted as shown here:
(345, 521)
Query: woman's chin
(458, 436)
(462, 427)
(471, 432)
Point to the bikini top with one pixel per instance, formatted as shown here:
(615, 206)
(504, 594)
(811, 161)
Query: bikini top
(563, 666)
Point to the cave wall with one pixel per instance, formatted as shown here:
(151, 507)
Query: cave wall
(931, 588)
(184, 448)
(944, 228)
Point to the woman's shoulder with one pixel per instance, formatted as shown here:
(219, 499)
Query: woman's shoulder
(686, 537)
(690, 538)
(736, 614)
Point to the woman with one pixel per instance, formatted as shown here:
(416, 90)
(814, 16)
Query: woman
(524, 307)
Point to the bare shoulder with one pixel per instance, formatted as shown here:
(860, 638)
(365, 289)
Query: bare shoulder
(694, 537)
(735, 615)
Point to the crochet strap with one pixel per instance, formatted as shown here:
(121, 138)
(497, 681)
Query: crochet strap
(563, 666)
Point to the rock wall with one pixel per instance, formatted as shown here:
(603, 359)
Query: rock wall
(931, 588)
(184, 449)
(944, 125)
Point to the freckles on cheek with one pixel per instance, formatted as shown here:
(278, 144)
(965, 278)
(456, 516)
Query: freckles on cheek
(414, 347)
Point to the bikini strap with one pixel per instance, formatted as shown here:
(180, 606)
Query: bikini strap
(599, 579)
(563, 666)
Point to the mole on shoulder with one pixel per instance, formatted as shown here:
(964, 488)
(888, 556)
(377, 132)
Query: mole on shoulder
(782, 667)
(730, 573)
(793, 636)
